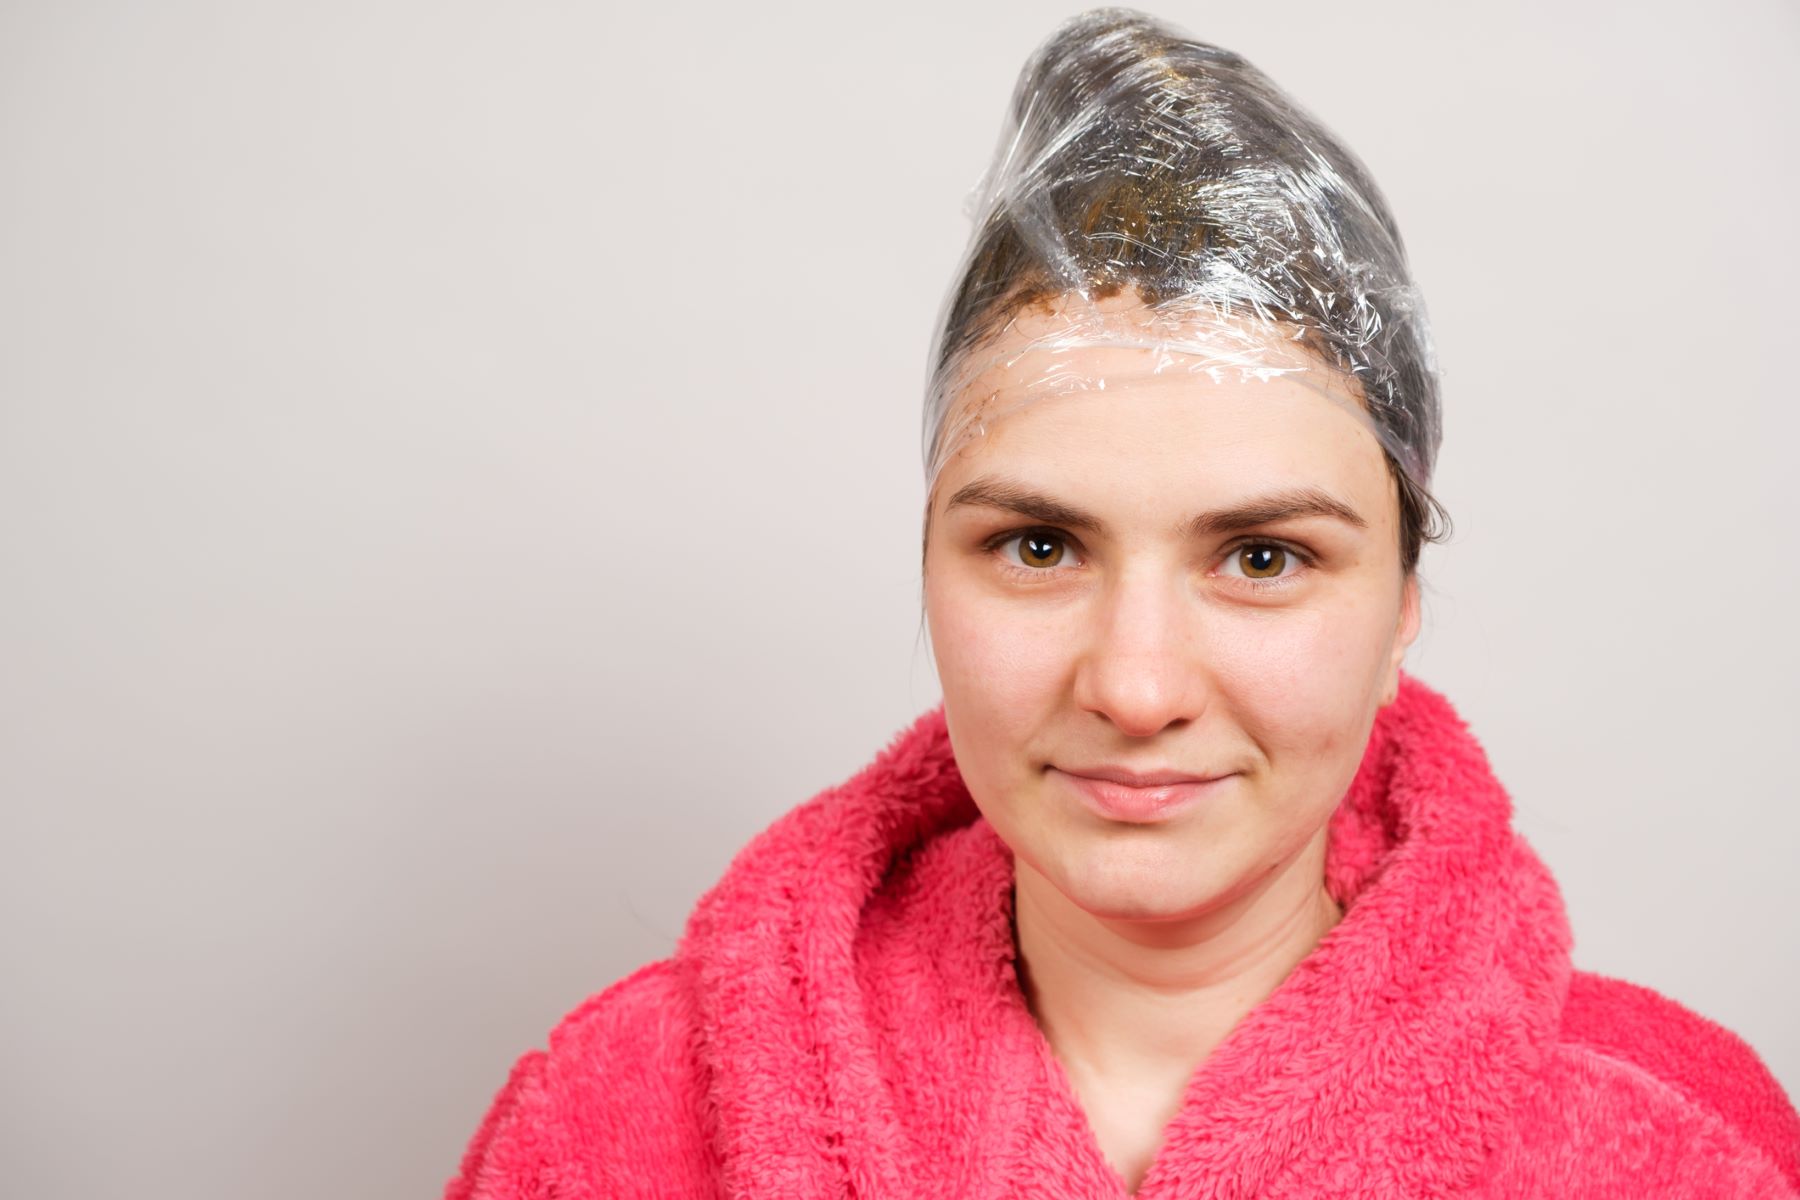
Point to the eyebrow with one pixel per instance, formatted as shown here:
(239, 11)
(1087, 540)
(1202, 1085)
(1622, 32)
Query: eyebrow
(997, 492)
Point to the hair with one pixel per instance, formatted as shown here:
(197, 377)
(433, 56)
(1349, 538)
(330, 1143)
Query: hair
(1137, 156)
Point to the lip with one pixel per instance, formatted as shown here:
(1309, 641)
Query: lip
(1165, 794)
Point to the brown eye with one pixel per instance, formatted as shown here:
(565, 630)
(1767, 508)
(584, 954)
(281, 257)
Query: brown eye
(1039, 548)
(1261, 560)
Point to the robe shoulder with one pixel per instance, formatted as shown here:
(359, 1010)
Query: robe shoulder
(613, 1106)
(1642, 1091)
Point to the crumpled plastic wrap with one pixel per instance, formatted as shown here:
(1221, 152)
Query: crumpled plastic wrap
(1136, 157)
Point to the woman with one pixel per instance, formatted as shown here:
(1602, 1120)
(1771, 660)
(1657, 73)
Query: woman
(1187, 889)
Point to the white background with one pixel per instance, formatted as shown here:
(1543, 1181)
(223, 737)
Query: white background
(459, 480)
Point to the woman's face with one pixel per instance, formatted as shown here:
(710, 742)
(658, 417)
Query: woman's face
(1092, 602)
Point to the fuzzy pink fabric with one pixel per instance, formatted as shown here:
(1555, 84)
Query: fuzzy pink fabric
(842, 1019)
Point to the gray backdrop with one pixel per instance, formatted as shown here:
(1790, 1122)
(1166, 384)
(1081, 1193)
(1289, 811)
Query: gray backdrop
(459, 481)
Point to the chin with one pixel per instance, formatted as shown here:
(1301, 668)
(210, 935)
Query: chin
(1145, 910)
(1135, 884)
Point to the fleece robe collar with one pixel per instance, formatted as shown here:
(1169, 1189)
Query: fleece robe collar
(864, 1033)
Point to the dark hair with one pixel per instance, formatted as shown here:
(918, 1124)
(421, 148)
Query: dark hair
(1138, 156)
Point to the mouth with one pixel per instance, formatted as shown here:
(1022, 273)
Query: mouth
(1142, 804)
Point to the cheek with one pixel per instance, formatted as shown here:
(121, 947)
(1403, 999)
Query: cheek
(990, 654)
(1303, 683)
(995, 686)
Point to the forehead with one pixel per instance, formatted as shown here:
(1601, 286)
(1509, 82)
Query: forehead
(1092, 386)
(1074, 342)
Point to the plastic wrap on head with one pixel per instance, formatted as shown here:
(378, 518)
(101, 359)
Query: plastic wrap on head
(1160, 195)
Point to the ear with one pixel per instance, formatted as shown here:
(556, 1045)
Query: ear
(1405, 633)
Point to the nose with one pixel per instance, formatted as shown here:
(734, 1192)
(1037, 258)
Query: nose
(1141, 662)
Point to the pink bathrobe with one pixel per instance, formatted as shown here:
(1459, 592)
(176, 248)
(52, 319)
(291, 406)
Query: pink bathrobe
(842, 1018)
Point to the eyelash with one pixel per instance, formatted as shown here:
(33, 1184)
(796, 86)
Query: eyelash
(1261, 586)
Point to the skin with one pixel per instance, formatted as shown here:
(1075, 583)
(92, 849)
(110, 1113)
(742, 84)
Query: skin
(1265, 651)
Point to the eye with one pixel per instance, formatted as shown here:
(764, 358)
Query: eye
(1263, 564)
(1038, 550)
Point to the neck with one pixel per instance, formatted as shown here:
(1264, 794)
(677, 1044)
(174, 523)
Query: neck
(1123, 999)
